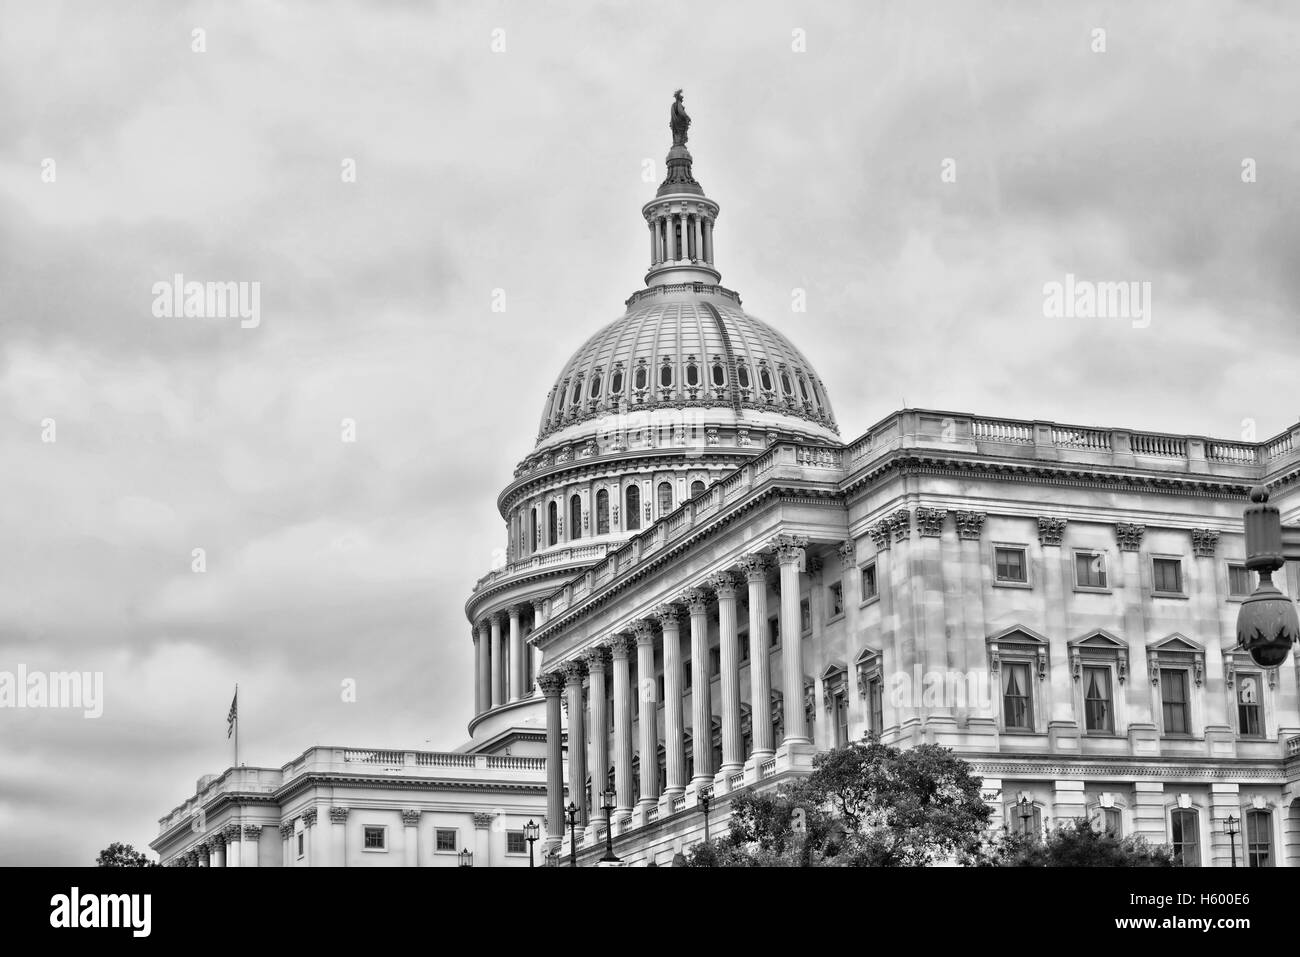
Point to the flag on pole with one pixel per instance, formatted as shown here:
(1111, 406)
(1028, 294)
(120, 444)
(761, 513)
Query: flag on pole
(233, 716)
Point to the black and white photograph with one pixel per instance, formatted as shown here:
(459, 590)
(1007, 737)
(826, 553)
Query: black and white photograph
(746, 434)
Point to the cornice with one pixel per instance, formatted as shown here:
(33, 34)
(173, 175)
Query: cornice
(990, 765)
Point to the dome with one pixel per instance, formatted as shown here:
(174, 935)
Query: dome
(688, 346)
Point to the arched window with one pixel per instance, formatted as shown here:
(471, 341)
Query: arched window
(665, 375)
(803, 388)
(602, 512)
(594, 391)
(665, 498)
(692, 375)
(786, 385)
(697, 487)
(616, 382)
(1259, 839)
(577, 391)
(719, 375)
(575, 516)
(1185, 837)
(742, 376)
(552, 524)
(639, 380)
(765, 379)
(632, 515)
(532, 529)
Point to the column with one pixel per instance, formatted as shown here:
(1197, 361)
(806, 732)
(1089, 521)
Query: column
(485, 668)
(654, 243)
(234, 846)
(760, 676)
(574, 673)
(696, 600)
(597, 667)
(310, 835)
(498, 656)
(733, 749)
(790, 558)
(482, 840)
(478, 671)
(517, 689)
(203, 854)
(219, 849)
(286, 844)
(698, 228)
(411, 838)
(621, 649)
(1225, 799)
(338, 836)
(674, 740)
(552, 685)
(252, 835)
(708, 240)
(648, 719)
(671, 237)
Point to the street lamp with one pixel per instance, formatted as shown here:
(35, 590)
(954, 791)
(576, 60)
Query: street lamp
(571, 812)
(706, 795)
(1026, 813)
(466, 858)
(1232, 827)
(531, 833)
(608, 802)
(1267, 623)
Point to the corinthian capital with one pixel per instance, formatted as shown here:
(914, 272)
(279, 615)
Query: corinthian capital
(551, 683)
(668, 615)
(574, 671)
(696, 600)
(754, 566)
(621, 646)
(339, 815)
(723, 584)
(790, 549)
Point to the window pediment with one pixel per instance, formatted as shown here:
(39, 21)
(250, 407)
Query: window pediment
(1020, 644)
(1099, 645)
(1173, 651)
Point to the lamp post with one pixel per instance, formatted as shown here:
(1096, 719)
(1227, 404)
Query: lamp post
(1232, 827)
(466, 858)
(1267, 623)
(706, 795)
(531, 833)
(608, 801)
(571, 812)
(1026, 814)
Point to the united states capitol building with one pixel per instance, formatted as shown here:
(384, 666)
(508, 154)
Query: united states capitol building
(706, 584)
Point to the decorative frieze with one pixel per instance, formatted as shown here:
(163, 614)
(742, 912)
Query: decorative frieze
(1050, 531)
(1204, 542)
(969, 525)
(1129, 536)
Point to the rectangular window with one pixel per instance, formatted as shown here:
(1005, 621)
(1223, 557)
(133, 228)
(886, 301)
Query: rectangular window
(1240, 582)
(515, 843)
(805, 615)
(373, 838)
(445, 839)
(1096, 700)
(1248, 711)
(1010, 565)
(869, 588)
(715, 662)
(1111, 822)
(876, 697)
(773, 632)
(1173, 701)
(687, 671)
(1167, 574)
(1089, 569)
(1017, 703)
(836, 599)
(743, 639)
(1186, 842)
(300, 843)
(1259, 839)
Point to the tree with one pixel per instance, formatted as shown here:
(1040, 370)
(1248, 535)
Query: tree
(1075, 843)
(118, 854)
(864, 805)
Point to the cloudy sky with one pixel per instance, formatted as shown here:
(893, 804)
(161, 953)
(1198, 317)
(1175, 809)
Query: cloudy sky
(822, 129)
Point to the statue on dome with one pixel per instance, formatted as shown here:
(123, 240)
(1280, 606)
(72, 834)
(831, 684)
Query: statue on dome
(678, 121)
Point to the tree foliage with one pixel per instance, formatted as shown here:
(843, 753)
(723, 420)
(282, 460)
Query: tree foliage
(864, 805)
(118, 854)
(1075, 843)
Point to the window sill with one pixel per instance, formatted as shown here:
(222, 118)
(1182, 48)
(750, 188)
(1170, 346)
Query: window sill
(833, 619)
(869, 601)
(1103, 734)
(1023, 732)
(1011, 584)
(1090, 590)
(374, 850)
(1169, 594)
